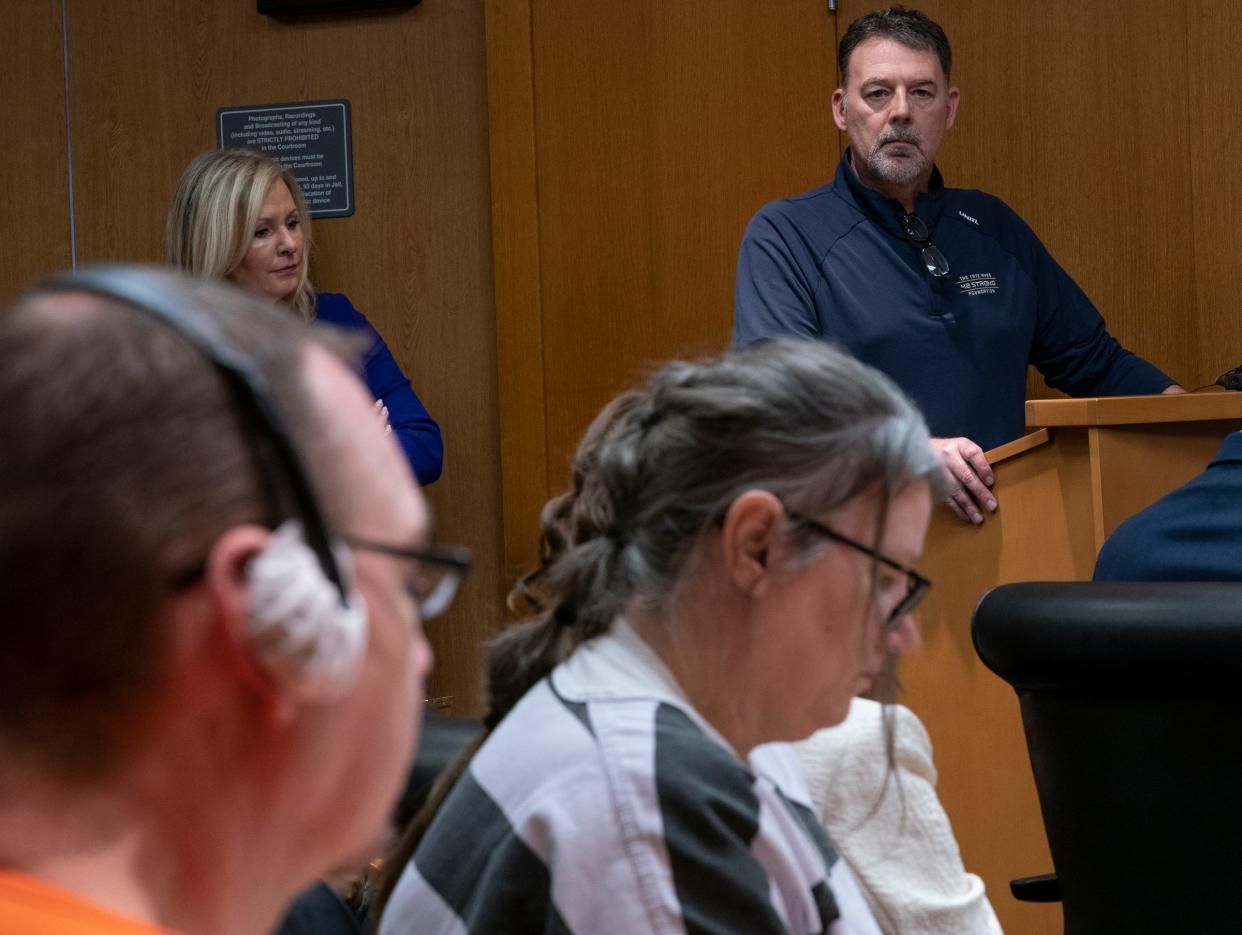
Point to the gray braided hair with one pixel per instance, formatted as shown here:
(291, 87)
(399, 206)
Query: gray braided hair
(660, 466)
(657, 471)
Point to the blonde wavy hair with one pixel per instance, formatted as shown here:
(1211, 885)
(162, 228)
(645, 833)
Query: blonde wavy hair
(213, 214)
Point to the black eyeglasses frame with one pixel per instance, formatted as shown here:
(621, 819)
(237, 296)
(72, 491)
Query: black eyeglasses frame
(454, 560)
(917, 585)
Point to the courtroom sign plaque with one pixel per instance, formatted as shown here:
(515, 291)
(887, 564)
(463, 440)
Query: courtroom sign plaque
(311, 139)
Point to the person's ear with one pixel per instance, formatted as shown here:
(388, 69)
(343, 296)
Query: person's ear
(227, 579)
(838, 108)
(750, 538)
(955, 97)
(306, 641)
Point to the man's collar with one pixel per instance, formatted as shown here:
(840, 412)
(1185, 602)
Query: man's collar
(887, 211)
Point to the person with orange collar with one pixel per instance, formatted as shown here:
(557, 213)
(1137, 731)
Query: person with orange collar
(213, 566)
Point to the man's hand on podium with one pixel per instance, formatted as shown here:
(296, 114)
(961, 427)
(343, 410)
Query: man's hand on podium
(970, 477)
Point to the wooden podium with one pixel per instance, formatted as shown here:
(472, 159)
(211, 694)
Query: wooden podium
(1087, 465)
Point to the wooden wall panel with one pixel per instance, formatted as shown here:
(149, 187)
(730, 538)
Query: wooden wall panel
(415, 256)
(629, 148)
(519, 314)
(660, 128)
(1208, 307)
(34, 231)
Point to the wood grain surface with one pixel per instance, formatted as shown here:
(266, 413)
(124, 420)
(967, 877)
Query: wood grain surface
(661, 128)
(415, 257)
(34, 230)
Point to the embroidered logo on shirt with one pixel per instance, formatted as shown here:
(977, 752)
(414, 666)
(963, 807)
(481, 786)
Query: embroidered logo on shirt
(969, 218)
(977, 284)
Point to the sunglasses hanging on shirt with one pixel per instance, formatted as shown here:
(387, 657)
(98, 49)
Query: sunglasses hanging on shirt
(929, 253)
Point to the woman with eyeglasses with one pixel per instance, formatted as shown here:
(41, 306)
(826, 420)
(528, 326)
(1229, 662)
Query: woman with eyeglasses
(241, 216)
(731, 566)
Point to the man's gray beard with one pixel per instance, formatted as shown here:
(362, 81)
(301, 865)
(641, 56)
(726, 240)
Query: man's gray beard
(894, 171)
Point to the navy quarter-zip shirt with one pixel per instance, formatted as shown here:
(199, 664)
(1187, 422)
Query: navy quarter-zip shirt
(834, 263)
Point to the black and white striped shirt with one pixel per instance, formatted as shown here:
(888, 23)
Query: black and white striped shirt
(604, 803)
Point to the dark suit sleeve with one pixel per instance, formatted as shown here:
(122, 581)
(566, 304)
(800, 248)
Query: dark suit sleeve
(1189, 534)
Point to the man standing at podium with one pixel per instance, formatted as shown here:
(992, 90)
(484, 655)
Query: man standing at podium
(945, 290)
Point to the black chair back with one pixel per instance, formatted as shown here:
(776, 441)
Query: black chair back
(1130, 700)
